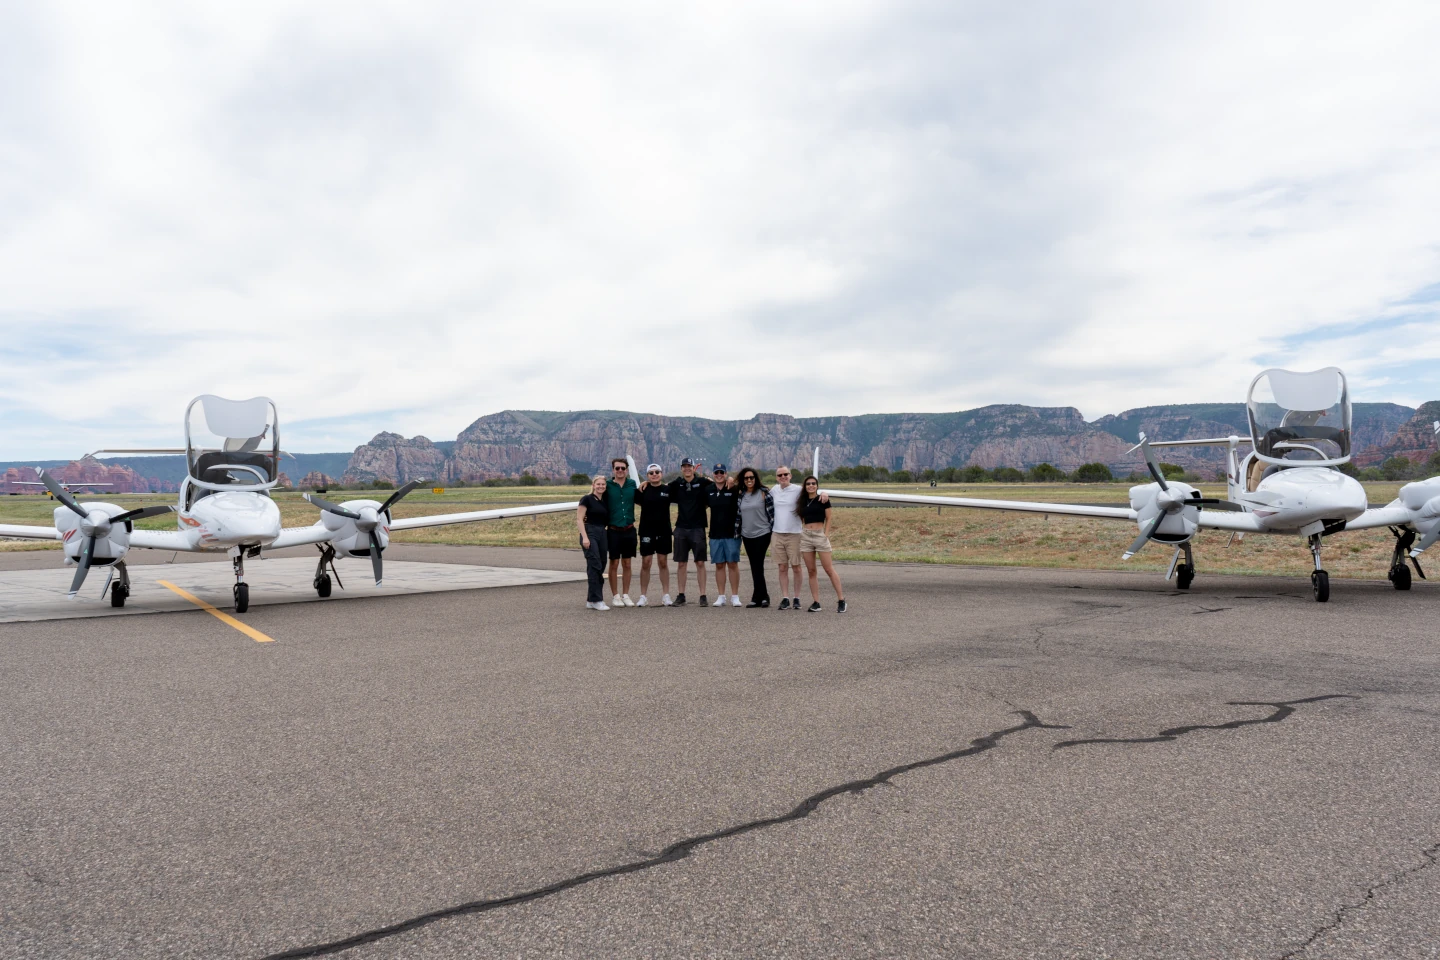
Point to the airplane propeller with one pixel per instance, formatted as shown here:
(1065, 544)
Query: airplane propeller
(1169, 501)
(94, 524)
(367, 519)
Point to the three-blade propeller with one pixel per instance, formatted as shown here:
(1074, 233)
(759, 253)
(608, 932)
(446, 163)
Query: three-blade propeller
(1168, 502)
(367, 519)
(95, 524)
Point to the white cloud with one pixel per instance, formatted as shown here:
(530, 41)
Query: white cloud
(402, 217)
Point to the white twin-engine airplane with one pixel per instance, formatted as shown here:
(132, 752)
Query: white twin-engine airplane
(1289, 483)
(232, 456)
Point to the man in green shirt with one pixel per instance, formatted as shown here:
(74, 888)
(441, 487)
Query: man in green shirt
(620, 531)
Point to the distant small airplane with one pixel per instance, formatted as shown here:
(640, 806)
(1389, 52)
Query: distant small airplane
(232, 456)
(1289, 483)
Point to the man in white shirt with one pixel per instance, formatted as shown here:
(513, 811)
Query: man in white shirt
(786, 535)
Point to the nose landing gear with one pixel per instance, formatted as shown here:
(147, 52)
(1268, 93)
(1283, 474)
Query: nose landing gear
(242, 589)
(1319, 579)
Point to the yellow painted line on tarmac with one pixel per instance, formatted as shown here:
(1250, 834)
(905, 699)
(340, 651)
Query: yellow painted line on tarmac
(244, 628)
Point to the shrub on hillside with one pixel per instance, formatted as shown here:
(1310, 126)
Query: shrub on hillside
(526, 480)
(973, 474)
(1397, 468)
(902, 476)
(1172, 471)
(382, 485)
(1092, 473)
(579, 479)
(1007, 475)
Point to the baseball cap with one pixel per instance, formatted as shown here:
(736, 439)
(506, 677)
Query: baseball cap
(719, 468)
(654, 466)
(687, 462)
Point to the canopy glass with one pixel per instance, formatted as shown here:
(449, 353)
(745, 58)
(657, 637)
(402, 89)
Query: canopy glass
(232, 443)
(1300, 417)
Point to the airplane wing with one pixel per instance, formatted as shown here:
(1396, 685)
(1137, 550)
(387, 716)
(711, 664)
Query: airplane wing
(441, 519)
(1020, 506)
(171, 540)
(1393, 515)
(298, 536)
(1214, 519)
(29, 533)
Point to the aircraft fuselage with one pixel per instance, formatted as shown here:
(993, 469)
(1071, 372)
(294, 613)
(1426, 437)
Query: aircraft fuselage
(227, 519)
(1292, 499)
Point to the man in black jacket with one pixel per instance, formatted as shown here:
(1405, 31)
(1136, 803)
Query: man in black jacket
(691, 495)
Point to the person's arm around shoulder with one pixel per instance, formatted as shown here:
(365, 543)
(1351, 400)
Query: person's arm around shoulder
(580, 514)
(770, 508)
(827, 515)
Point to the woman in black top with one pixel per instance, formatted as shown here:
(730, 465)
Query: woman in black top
(591, 515)
(814, 513)
(757, 521)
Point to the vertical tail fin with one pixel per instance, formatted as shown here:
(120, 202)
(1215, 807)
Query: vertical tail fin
(815, 467)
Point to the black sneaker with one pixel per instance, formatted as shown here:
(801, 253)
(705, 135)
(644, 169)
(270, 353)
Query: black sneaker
(753, 604)
(703, 601)
(841, 607)
(795, 604)
(814, 607)
(764, 603)
(784, 603)
(679, 600)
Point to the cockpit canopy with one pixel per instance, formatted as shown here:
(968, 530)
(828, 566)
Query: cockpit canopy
(1300, 417)
(232, 444)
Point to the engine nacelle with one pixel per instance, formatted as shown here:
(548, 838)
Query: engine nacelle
(1180, 523)
(109, 548)
(349, 540)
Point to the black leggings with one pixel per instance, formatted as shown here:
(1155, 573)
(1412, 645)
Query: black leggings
(595, 562)
(755, 550)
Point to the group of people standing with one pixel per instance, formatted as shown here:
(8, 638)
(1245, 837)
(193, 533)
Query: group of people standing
(741, 511)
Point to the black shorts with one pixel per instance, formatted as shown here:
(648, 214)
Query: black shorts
(622, 542)
(653, 543)
(690, 540)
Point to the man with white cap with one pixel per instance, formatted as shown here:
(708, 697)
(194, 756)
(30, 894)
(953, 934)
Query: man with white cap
(653, 499)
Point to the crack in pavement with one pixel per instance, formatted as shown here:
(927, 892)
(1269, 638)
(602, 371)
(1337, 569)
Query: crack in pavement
(679, 850)
(1431, 856)
(1282, 708)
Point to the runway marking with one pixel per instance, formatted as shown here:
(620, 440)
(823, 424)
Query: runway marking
(246, 629)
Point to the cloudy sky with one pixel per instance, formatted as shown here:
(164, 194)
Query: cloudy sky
(403, 216)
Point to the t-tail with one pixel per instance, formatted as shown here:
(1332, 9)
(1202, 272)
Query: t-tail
(815, 465)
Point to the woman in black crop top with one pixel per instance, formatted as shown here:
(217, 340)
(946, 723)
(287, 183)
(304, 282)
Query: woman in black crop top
(814, 513)
(591, 515)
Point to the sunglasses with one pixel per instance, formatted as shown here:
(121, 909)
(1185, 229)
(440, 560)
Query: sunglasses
(620, 469)
(654, 473)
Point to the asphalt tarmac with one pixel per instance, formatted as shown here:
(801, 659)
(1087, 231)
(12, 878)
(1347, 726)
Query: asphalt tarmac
(972, 762)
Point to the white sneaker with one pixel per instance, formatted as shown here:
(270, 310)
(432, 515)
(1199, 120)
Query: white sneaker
(721, 601)
(734, 600)
(642, 601)
(598, 605)
(666, 601)
(626, 601)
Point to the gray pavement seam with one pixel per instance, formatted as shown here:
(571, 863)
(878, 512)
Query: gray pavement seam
(1430, 855)
(679, 850)
(1283, 709)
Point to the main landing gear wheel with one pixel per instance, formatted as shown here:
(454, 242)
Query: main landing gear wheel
(242, 597)
(119, 594)
(1184, 576)
(1320, 585)
(1400, 576)
(322, 585)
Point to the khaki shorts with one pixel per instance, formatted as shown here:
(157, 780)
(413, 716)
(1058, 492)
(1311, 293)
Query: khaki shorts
(814, 541)
(786, 547)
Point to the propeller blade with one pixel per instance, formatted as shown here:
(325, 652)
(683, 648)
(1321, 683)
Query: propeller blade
(334, 508)
(1144, 447)
(1144, 538)
(60, 493)
(85, 555)
(375, 560)
(141, 513)
(385, 507)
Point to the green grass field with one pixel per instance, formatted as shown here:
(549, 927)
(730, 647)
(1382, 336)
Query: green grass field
(908, 534)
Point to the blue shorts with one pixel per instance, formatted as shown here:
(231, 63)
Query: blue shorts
(724, 549)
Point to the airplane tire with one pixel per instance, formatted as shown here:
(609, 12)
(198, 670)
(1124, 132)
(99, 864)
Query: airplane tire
(1184, 576)
(118, 595)
(1400, 576)
(242, 597)
(1320, 585)
(322, 585)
